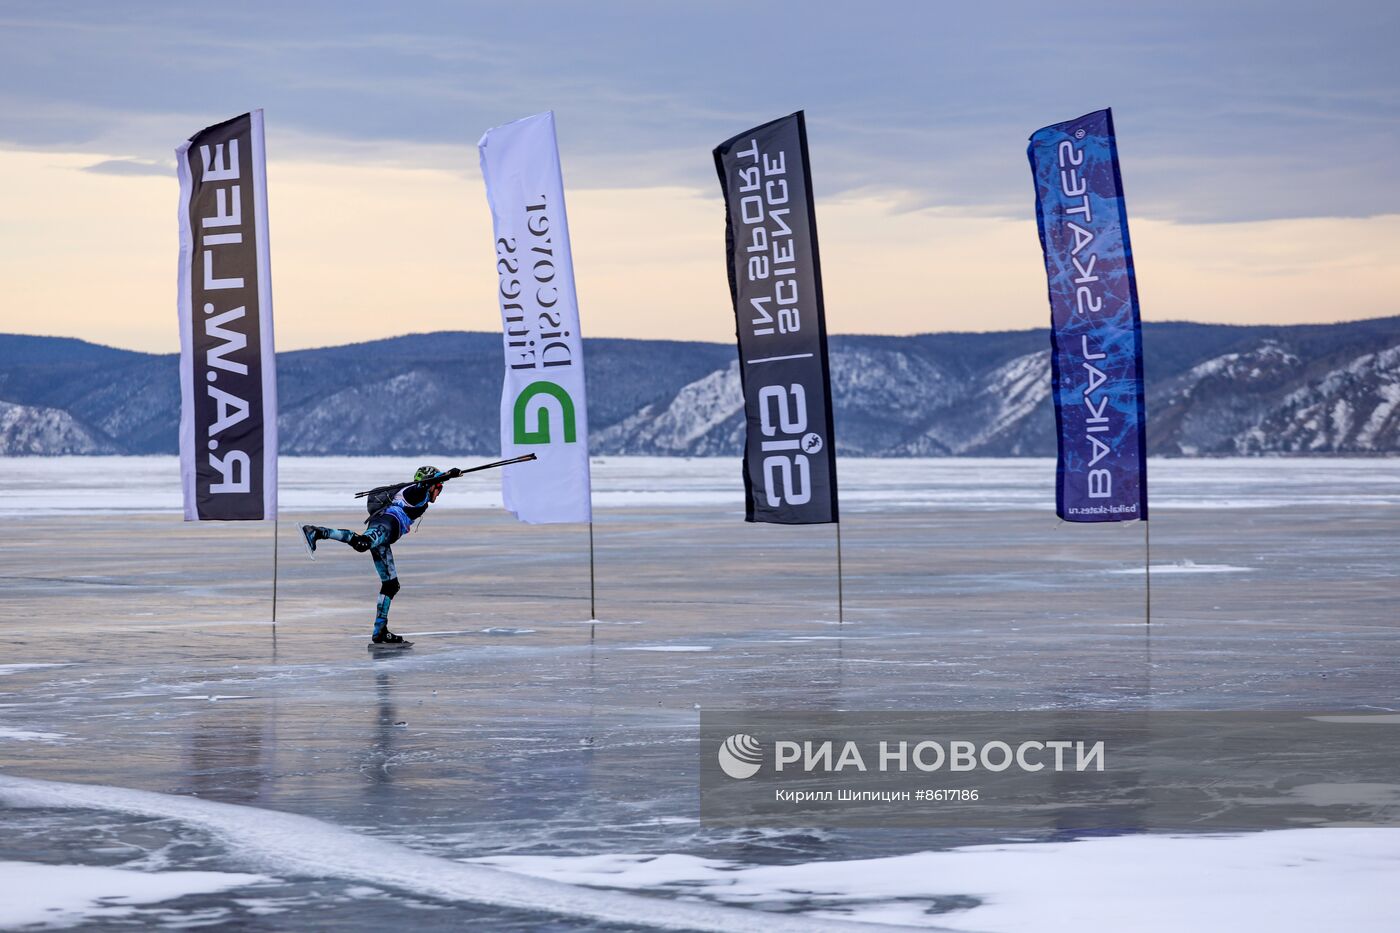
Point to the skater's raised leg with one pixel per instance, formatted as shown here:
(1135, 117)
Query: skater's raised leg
(374, 536)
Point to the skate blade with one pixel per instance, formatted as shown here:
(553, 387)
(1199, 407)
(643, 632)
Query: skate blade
(372, 646)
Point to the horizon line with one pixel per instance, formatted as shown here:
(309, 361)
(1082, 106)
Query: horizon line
(917, 334)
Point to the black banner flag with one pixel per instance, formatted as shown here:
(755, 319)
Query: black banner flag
(228, 373)
(776, 285)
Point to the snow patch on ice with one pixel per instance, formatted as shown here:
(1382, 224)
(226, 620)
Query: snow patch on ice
(216, 697)
(293, 845)
(1282, 881)
(603, 622)
(261, 906)
(20, 735)
(1383, 719)
(1187, 566)
(21, 668)
(669, 648)
(68, 895)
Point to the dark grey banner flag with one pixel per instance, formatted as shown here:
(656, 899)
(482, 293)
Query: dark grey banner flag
(776, 283)
(228, 373)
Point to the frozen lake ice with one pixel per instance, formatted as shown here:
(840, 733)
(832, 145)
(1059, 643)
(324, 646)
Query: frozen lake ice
(85, 485)
(169, 758)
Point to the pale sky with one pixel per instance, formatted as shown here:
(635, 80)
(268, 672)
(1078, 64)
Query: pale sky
(1258, 142)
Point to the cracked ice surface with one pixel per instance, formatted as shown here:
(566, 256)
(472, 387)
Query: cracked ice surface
(521, 737)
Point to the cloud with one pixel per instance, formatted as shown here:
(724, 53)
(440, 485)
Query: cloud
(1226, 112)
(131, 167)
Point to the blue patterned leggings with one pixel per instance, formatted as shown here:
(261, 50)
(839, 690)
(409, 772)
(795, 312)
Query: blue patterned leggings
(379, 536)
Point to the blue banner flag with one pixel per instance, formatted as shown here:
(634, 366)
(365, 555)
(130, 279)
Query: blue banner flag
(1095, 331)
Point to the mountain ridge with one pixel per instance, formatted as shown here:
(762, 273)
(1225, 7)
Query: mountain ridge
(1213, 390)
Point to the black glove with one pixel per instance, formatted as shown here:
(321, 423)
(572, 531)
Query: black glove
(452, 473)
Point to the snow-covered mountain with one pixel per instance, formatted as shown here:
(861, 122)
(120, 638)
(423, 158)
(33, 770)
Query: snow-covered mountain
(1212, 390)
(28, 429)
(1355, 407)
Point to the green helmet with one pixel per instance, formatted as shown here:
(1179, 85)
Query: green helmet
(425, 472)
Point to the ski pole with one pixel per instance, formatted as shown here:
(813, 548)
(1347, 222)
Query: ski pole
(484, 466)
(499, 463)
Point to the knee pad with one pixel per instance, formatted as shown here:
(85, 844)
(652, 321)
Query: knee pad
(389, 587)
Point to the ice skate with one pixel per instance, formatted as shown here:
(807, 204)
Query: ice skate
(310, 534)
(388, 641)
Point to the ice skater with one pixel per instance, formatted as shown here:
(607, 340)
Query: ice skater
(393, 511)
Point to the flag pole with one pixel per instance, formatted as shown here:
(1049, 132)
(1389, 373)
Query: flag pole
(1147, 565)
(274, 574)
(592, 580)
(840, 586)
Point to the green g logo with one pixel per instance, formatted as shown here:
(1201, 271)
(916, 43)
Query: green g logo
(523, 435)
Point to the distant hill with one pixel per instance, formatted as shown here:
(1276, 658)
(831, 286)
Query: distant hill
(1212, 390)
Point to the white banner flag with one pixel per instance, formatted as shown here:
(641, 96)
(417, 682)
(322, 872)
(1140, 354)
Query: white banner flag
(544, 410)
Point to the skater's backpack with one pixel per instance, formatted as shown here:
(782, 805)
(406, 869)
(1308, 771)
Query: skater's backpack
(381, 497)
